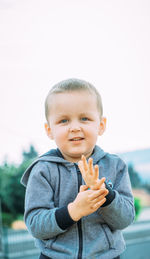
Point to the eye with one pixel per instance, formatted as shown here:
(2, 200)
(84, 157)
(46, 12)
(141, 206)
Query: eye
(64, 121)
(84, 119)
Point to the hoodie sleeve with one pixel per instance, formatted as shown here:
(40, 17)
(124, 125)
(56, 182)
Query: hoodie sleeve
(40, 211)
(120, 212)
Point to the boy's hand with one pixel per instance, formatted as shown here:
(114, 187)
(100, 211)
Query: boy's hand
(90, 174)
(86, 202)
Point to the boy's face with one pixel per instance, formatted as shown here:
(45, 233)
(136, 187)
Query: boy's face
(74, 123)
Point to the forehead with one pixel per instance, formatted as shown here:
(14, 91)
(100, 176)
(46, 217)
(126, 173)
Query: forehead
(75, 101)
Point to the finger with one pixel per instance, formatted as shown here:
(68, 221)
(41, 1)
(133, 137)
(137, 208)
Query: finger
(96, 172)
(104, 192)
(103, 186)
(80, 165)
(90, 162)
(83, 188)
(95, 194)
(101, 197)
(85, 165)
(99, 204)
(101, 182)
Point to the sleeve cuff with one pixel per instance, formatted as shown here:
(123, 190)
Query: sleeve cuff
(110, 196)
(63, 218)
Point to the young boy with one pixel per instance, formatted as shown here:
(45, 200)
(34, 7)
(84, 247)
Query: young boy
(70, 211)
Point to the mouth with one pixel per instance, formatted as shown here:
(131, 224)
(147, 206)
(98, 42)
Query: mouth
(76, 139)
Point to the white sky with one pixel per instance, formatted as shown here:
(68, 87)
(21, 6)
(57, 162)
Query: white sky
(45, 41)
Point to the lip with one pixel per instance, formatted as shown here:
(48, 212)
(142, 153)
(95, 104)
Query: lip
(76, 139)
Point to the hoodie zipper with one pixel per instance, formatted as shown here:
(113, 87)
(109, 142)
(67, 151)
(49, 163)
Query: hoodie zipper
(79, 223)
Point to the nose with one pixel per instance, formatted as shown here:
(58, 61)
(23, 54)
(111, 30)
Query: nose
(75, 126)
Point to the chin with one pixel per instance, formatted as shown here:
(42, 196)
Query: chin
(75, 155)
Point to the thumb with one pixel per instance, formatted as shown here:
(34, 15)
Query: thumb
(83, 188)
(101, 183)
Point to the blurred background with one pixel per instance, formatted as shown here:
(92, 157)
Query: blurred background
(43, 42)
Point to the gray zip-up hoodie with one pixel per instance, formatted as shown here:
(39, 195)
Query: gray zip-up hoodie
(52, 183)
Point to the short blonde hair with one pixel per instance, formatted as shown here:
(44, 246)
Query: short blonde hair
(70, 85)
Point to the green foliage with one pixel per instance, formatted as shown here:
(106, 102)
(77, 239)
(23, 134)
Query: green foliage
(11, 191)
(138, 207)
(136, 182)
(7, 219)
(31, 154)
(135, 179)
(147, 186)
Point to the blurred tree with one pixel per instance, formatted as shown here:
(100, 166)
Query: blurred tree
(11, 191)
(135, 179)
(32, 153)
(147, 186)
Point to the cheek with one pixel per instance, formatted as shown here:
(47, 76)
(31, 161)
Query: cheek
(59, 133)
(93, 130)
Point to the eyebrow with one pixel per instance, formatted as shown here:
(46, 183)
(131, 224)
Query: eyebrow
(81, 114)
(61, 115)
(86, 113)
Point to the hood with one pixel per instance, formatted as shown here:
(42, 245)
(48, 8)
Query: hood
(54, 155)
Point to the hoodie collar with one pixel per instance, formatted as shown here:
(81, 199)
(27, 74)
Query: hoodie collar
(97, 154)
(54, 155)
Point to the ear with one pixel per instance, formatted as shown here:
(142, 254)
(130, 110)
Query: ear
(102, 126)
(48, 131)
